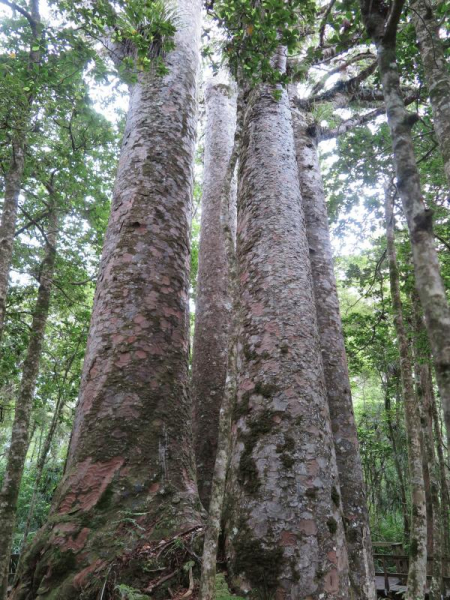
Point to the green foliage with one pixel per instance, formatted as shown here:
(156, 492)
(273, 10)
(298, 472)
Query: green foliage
(222, 589)
(254, 31)
(128, 593)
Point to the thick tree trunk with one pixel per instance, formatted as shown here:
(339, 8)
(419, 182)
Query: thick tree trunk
(418, 543)
(20, 431)
(224, 439)
(353, 495)
(130, 480)
(436, 73)
(419, 218)
(283, 516)
(212, 311)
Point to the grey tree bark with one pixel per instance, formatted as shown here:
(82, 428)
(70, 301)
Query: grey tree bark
(353, 494)
(14, 174)
(284, 527)
(382, 28)
(21, 425)
(228, 223)
(417, 572)
(130, 475)
(436, 73)
(212, 311)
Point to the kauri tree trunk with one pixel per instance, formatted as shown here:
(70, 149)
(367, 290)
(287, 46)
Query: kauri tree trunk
(18, 449)
(285, 536)
(436, 73)
(353, 495)
(227, 201)
(212, 310)
(417, 572)
(382, 28)
(130, 478)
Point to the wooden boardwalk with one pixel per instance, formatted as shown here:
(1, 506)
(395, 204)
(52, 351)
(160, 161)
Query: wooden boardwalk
(391, 569)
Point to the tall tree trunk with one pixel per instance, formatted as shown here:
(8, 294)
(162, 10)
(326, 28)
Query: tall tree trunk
(417, 573)
(212, 311)
(20, 430)
(14, 174)
(224, 439)
(445, 495)
(439, 506)
(428, 278)
(284, 527)
(436, 73)
(398, 467)
(353, 494)
(130, 479)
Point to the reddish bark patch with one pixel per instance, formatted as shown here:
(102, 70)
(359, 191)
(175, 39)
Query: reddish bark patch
(288, 538)
(88, 483)
(331, 581)
(78, 543)
(79, 580)
(308, 527)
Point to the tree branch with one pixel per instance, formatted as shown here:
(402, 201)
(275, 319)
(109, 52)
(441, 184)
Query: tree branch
(390, 31)
(22, 11)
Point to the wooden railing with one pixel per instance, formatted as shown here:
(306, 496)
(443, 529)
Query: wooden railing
(394, 563)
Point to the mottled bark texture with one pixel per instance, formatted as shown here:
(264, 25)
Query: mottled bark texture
(353, 495)
(436, 73)
(436, 520)
(14, 174)
(417, 571)
(382, 27)
(130, 476)
(285, 536)
(212, 310)
(18, 448)
(224, 440)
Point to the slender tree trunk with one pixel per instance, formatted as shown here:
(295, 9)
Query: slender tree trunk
(398, 468)
(283, 519)
(445, 495)
(14, 174)
(20, 431)
(227, 200)
(356, 518)
(13, 184)
(42, 456)
(419, 218)
(130, 479)
(212, 310)
(436, 73)
(417, 572)
(425, 396)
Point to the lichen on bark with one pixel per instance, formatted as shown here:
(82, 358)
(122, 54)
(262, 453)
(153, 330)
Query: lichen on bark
(130, 476)
(281, 394)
